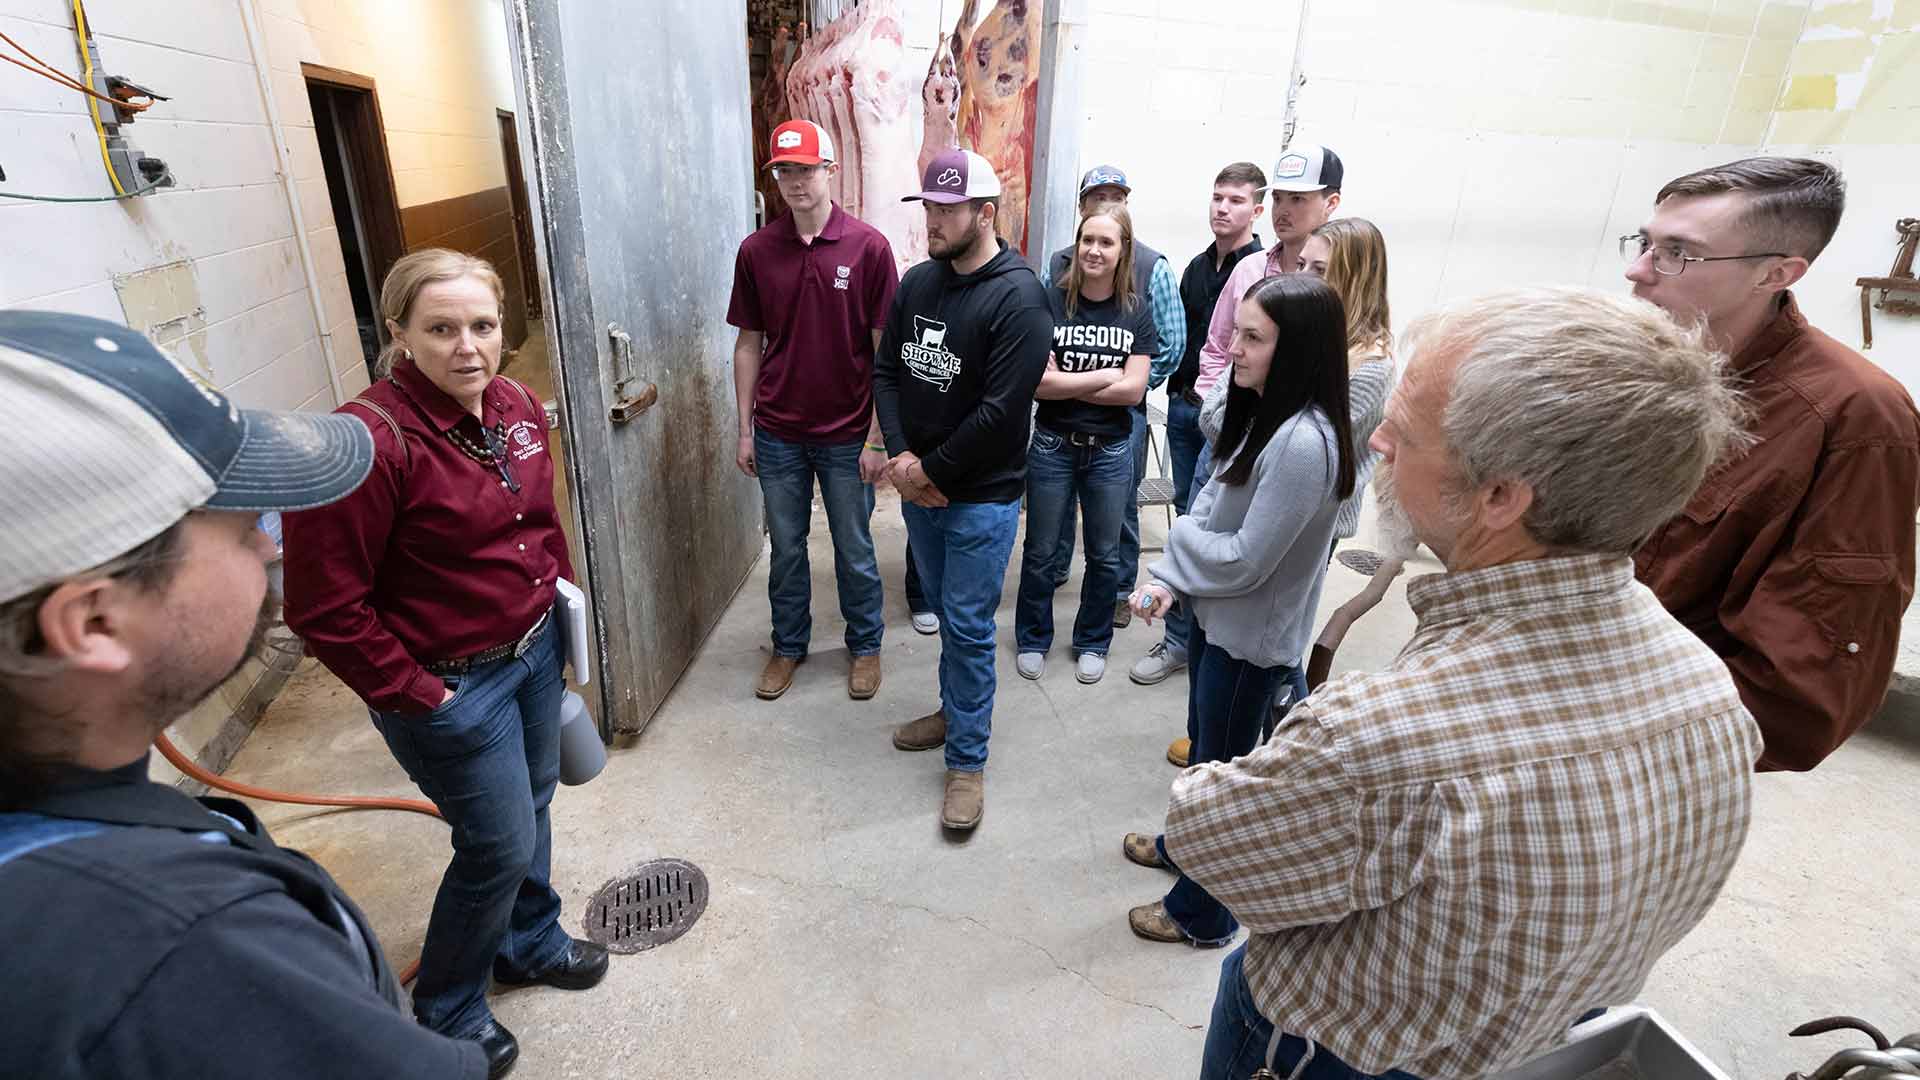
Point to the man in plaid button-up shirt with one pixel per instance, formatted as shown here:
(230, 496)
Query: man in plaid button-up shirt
(1444, 864)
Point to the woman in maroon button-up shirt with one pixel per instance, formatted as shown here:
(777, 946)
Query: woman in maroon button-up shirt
(408, 588)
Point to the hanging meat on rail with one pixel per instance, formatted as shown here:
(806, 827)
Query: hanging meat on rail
(940, 99)
(851, 78)
(999, 97)
(880, 91)
(769, 112)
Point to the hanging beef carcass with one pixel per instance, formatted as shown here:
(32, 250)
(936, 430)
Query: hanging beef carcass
(837, 63)
(940, 102)
(880, 94)
(769, 112)
(999, 83)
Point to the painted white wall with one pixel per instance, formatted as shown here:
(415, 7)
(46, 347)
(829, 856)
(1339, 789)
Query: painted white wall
(1500, 142)
(228, 219)
(1854, 98)
(441, 68)
(1493, 143)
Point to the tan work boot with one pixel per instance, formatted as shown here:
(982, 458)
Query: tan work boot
(1180, 752)
(965, 801)
(1140, 848)
(1152, 922)
(863, 679)
(927, 733)
(776, 677)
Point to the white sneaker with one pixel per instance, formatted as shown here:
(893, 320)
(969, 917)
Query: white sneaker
(1092, 666)
(926, 622)
(1030, 665)
(1159, 663)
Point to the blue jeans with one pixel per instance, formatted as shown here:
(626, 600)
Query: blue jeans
(1238, 1035)
(1184, 447)
(489, 759)
(1060, 477)
(787, 471)
(1129, 523)
(1229, 709)
(917, 601)
(962, 551)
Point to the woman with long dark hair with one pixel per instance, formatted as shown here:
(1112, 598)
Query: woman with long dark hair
(1250, 556)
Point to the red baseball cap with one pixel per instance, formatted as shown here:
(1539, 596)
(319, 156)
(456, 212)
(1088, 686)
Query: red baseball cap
(800, 142)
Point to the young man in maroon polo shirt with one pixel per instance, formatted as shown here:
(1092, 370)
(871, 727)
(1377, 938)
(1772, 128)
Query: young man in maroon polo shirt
(811, 291)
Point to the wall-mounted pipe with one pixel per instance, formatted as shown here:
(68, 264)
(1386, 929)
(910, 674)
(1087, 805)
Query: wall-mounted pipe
(262, 69)
(1297, 77)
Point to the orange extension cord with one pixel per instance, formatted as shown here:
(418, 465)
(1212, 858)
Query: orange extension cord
(192, 768)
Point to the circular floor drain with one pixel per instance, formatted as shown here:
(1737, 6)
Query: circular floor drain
(1359, 560)
(650, 906)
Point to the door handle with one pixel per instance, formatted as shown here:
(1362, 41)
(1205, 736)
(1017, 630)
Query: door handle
(631, 395)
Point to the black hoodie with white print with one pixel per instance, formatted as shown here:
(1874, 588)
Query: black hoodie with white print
(954, 378)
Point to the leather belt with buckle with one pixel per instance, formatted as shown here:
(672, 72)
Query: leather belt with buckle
(1084, 438)
(512, 649)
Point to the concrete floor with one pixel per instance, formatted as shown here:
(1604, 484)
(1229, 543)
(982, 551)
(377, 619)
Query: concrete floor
(847, 936)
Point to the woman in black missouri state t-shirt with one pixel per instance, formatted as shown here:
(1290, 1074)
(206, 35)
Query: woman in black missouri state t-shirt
(1103, 337)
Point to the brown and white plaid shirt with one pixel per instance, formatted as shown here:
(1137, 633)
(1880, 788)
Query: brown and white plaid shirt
(1442, 865)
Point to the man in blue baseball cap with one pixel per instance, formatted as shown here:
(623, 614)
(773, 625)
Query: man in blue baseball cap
(1105, 185)
(154, 934)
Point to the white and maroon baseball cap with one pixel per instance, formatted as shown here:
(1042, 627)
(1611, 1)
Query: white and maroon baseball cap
(113, 442)
(1309, 167)
(954, 176)
(800, 142)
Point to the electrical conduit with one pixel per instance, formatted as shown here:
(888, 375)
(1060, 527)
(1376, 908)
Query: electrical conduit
(257, 46)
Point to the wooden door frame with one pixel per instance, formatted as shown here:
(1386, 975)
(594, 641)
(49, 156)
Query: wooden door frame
(377, 195)
(520, 200)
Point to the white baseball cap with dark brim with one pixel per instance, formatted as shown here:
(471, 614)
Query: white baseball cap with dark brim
(1308, 167)
(955, 176)
(113, 441)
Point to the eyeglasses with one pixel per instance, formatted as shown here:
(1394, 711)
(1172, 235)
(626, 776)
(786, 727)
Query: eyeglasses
(795, 172)
(1671, 261)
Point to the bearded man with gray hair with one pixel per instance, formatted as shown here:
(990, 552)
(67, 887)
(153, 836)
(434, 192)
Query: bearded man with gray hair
(1444, 864)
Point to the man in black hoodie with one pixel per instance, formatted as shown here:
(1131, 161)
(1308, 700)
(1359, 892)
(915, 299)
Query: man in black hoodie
(953, 381)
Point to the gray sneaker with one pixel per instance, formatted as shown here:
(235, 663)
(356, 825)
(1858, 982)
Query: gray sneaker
(1030, 665)
(926, 622)
(1092, 665)
(1159, 663)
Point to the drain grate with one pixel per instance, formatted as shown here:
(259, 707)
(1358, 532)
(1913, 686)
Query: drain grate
(1359, 560)
(651, 905)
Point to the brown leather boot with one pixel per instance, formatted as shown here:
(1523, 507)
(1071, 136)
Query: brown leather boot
(1180, 752)
(1140, 848)
(926, 733)
(776, 677)
(965, 801)
(863, 679)
(1152, 922)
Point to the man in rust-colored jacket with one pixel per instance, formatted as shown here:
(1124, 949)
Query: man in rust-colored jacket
(1794, 561)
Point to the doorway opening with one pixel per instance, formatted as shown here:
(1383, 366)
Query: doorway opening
(353, 154)
(522, 216)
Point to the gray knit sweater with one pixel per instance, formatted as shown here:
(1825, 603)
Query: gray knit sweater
(1250, 558)
(1368, 385)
